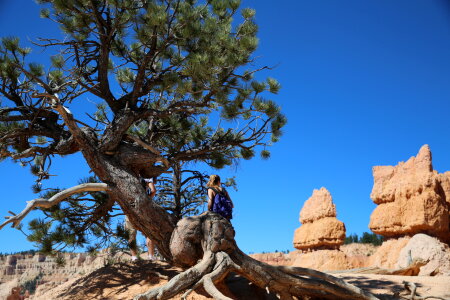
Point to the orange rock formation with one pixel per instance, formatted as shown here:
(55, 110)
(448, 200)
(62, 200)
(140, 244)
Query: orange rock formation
(320, 229)
(412, 198)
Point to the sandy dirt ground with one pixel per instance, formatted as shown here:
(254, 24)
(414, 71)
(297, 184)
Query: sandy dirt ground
(384, 286)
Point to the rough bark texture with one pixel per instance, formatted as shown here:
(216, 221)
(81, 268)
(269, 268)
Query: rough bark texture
(146, 216)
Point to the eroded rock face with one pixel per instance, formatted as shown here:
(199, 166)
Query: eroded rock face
(320, 229)
(412, 198)
(387, 254)
(276, 258)
(19, 268)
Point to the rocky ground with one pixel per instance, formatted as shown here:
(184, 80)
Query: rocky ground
(384, 286)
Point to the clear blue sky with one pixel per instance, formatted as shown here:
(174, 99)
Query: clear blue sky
(365, 83)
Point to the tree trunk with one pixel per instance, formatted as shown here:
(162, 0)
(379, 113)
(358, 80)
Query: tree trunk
(145, 215)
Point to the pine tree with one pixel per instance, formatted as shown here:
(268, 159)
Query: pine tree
(175, 84)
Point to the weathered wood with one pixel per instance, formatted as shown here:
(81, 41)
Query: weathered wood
(55, 199)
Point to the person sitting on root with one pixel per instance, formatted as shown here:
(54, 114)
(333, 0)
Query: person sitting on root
(149, 185)
(219, 200)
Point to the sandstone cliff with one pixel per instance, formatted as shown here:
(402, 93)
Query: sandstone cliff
(18, 269)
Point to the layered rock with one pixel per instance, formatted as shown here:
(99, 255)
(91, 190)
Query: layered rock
(276, 258)
(19, 265)
(320, 228)
(358, 255)
(18, 269)
(412, 198)
(349, 256)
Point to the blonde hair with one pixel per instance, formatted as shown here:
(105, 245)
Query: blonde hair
(214, 180)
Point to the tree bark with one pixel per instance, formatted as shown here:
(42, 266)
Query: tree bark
(145, 215)
(176, 182)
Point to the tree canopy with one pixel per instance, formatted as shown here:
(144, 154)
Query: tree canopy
(160, 70)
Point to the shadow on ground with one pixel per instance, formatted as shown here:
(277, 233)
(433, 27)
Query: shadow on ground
(372, 284)
(120, 277)
(111, 282)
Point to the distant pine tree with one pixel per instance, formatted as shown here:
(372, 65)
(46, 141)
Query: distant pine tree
(366, 238)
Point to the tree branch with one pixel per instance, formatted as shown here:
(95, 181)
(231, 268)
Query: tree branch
(148, 147)
(68, 118)
(57, 198)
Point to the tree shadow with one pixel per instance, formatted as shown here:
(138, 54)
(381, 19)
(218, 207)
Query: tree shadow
(374, 284)
(238, 287)
(120, 277)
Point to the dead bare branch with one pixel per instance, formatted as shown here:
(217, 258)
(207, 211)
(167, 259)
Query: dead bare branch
(57, 198)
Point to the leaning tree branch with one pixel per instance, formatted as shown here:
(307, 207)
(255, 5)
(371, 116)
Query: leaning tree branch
(78, 134)
(57, 198)
(30, 152)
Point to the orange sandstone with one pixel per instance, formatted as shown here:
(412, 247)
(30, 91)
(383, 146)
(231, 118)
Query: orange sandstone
(320, 229)
(412, 198)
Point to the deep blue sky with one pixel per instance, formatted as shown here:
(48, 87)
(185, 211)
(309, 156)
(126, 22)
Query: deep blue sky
(365, 83)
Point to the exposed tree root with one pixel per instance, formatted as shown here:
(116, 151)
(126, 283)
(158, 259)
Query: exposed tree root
(213, 236)
(412, 270)
(55, 199)
(297, 282)
(411, 287)
(182, 281)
